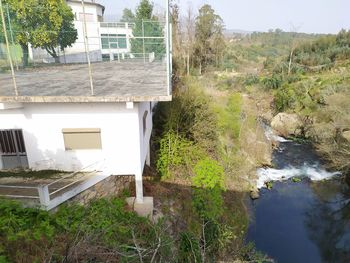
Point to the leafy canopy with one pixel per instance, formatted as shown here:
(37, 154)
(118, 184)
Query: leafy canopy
(146, 24)
(46, 24)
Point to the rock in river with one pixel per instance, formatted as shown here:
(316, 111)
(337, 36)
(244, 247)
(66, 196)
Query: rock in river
(287, 124)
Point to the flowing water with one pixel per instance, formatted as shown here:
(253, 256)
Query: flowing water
(301, 222)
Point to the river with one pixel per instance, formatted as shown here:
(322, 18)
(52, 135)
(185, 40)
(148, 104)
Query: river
(301, 222)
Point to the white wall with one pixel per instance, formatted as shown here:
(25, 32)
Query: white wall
(92, 28)
(124, 147)
(144, 138)
(118, 30)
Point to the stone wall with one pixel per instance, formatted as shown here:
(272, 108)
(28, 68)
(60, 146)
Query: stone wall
(111, 186)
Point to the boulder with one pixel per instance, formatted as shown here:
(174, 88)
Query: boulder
(287, 124)
(254, 194)
(346, 135)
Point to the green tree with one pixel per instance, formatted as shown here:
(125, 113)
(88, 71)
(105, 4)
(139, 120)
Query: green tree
(46, 24)
(128, 15)
(147, 25)
(210, 43)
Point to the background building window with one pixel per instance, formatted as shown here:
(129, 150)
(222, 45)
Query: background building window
(113, 41)
(82, 139)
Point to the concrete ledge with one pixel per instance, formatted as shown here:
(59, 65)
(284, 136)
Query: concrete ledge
(144, 209)
(82, 99)
(8, 106)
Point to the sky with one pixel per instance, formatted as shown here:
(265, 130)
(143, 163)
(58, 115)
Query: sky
(310, 16)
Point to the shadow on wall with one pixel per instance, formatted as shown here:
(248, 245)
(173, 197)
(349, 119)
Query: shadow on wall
(59, 159)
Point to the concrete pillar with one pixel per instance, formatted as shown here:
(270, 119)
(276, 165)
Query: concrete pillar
(139, 188)
(44, 195)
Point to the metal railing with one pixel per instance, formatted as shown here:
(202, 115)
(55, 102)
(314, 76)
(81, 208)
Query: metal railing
(47, 194)
(117, 24)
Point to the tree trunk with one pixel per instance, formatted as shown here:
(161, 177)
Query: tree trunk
(188, 64)
(25, 58)
(52, 52)
(290, 61)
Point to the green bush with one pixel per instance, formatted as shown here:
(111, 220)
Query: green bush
(251, 80)
(175, 152)
(209, 183)
(273, 82)
(33, 235)
(229, 117)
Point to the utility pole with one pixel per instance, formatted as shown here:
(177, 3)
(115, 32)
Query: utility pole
(8, 49)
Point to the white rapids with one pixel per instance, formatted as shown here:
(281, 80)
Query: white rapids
(313, 172)
(271, 136)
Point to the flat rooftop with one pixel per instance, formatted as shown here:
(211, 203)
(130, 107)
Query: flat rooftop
(113, 82)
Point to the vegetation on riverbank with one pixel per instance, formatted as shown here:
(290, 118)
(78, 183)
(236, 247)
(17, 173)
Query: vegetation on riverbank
(207, 144)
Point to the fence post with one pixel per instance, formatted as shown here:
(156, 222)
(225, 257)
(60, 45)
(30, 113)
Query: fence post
(8, 48)
(143, 42)
(87, 50)
(44, 195)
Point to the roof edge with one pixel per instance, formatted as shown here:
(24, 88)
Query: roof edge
(81, 99)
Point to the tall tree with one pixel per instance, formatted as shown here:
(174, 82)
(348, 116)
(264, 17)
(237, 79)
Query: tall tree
(148, 26)
(189, 36)
(128, 15)
(209, 33)
(47, 24)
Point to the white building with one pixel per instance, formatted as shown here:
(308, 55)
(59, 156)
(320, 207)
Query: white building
(105, 40)
(54, 125)
(66, 117)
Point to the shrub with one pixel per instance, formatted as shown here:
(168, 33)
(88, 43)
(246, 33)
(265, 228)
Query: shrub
(78, 234)
(273, 82)
(229, 118)
(176, 152)
(209, 183)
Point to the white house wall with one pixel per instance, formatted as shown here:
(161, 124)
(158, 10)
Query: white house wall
(124, 147)
(145, 138)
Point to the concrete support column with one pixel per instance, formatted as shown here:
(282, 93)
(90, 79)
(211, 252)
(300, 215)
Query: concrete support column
(44, 195)
(139, 188)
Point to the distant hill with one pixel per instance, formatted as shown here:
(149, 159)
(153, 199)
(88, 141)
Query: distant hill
(235, 32)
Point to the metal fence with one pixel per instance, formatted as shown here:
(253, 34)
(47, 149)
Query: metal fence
(138, 42)
(56, 192)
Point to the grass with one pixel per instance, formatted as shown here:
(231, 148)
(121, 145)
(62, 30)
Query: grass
(42, 174)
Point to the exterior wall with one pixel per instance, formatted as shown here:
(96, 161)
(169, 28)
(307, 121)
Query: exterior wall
(112, 186)
(123, 150)
(92, 31)
(145, 137)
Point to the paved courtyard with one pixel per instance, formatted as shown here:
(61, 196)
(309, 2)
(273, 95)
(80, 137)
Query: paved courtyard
(112, 80)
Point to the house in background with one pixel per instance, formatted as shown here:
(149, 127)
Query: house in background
(73, 118)
(106, 40)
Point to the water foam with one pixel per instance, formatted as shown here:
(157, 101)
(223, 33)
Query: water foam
(271, 136)
(314, 172)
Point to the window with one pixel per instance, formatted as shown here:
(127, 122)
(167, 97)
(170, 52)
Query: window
(144, 122)
(88, 17)
(113, 41)
(105, 57)
(82, 139)
(11, 142)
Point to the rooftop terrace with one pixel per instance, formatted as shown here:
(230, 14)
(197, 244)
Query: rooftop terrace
(113, 82)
